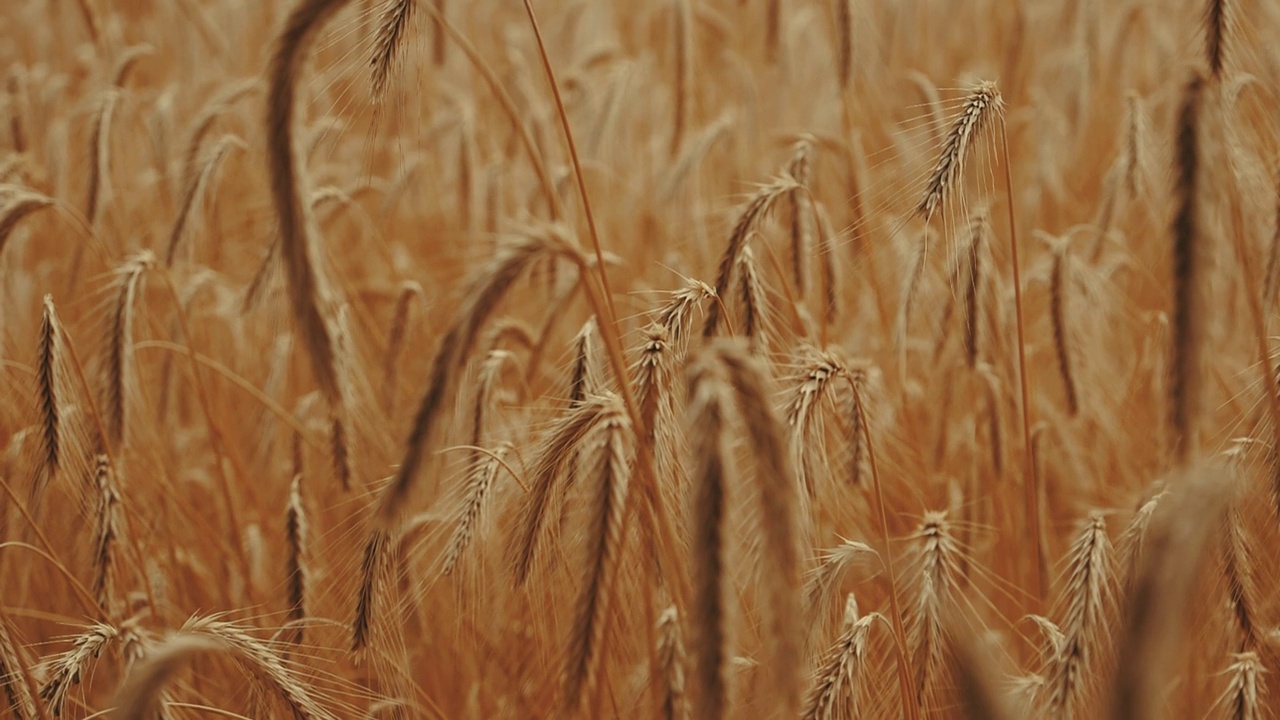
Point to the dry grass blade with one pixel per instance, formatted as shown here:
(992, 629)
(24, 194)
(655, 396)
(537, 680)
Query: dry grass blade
(139, 696)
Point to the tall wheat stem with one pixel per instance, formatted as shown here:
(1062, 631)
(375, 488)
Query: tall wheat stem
(1030, 476)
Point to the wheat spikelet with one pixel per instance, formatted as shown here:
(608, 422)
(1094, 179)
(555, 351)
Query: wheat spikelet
(1238, 568)
(978, 679)
(676, 315)
(106, 535)
(1243, 697)
(801, 169)
(708, 406)
(553, 456)
(837, 682)
(439, 48)
(395, 341)
(975, 285)
(1061, 332)
(752, 214)
(204, 122)
(1188, 316)
(1215, 16)
(751, 297)
(386, 44)
(939, 564)
(15, 85)
(682, 40)
(804, 408)
(48, 369)
(844, 42)
(372, 564)
(127, 61)
(70, 667)
(479, 484)
(830, 273)
(486, 291)
(118, 364)
(1173, 551)
(295, 526)
(19, 689)
(779, 511)
(671, 661)
(610, 467)
(195, 188)
(982, 103)
(20, 205)
(832, 565)
(100, 165)
(1088, 596)
(308, 294)
(264, 663)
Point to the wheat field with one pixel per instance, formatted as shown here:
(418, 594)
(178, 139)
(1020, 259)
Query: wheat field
(681, 359)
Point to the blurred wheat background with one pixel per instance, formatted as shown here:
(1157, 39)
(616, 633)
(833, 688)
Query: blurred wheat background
(673, 359)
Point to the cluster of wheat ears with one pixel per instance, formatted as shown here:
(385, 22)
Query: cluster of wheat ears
(679, 359)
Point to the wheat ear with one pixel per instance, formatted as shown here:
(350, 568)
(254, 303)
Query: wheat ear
(21, 205)
(70, 667)
(1061, 331)
(195, 188)
(611, 469)
(118, 365)
(386, 44)
(1243, 697)
(295, 526)
(752, 214)
(708, 407)
(106, 535)
(939, 568)
(1188, 302)
(837, 685)
(671, 661)
(1215, 16)
(779, 513)
(1088, 597)
(308, 295)
(20, 691)
(48, 369)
